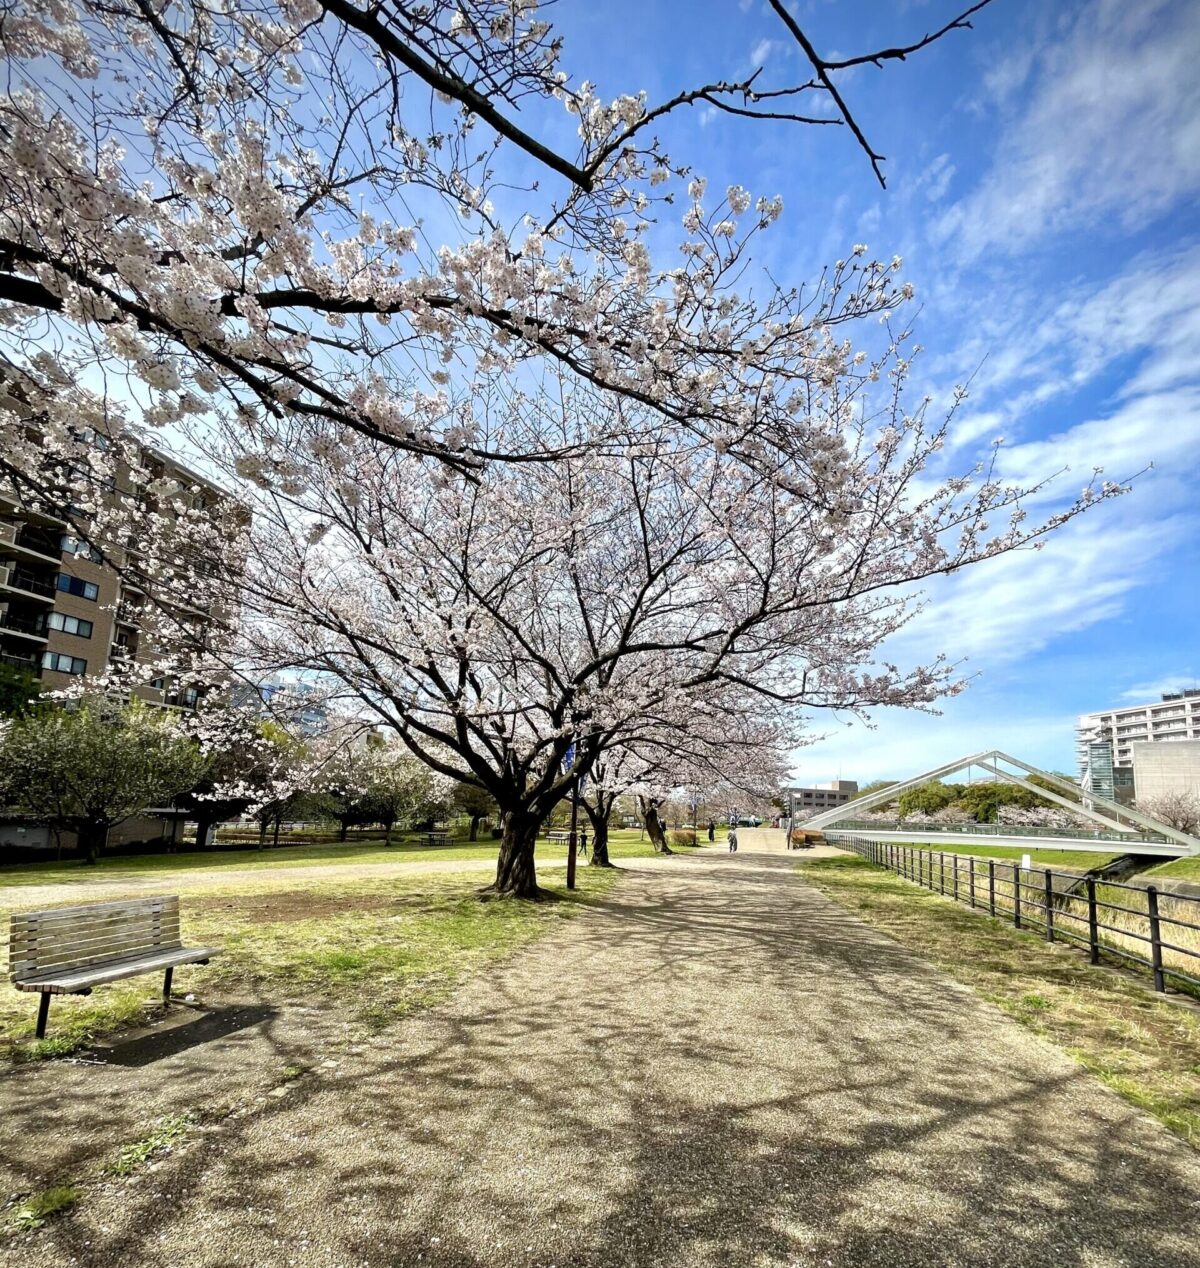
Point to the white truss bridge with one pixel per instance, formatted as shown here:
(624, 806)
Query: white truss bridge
(1119, 829)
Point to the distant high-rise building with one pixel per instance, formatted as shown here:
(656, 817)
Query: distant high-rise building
(1175, 717)
(1097, 774)
(1108, 743)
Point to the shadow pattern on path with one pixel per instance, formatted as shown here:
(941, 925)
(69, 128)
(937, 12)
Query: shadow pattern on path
(714, 1066)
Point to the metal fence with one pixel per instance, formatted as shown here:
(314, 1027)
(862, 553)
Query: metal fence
(968, 828)
(1130, 924)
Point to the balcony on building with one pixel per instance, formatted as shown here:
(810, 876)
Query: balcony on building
(35, 544)
(28, 625)
(21, 580)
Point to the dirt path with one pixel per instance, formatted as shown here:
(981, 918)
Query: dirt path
(716, 1067)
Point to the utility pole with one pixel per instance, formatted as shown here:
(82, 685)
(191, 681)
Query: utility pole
(574, 836)
(572, 755)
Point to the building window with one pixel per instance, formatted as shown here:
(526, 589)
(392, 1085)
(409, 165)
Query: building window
(63, 663)
(80, 549)
(69, 624)
(78, 587)
(188, 697)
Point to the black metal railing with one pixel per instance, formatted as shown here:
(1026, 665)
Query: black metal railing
(27, 663)
(23, 579)
(1136, 925)
(23, 624)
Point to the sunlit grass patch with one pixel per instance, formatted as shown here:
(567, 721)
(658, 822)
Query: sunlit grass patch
(34, 1211)
(161, 1139)
(411, 938)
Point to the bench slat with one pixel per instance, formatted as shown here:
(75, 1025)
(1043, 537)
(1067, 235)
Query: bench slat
(130, 906)
(116, 939)
(113, 970)
(65, 935)
(107, 949)
(59, 940)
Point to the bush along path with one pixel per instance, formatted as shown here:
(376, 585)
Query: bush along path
(714, 1064)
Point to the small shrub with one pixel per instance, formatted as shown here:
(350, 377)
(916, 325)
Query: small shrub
(682, 837)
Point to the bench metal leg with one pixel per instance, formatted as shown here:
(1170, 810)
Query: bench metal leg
(167, 985)
(43, 1013)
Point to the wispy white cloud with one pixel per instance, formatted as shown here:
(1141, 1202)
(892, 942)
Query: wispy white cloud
(907, 743)
(1013, 607)
(1148, 692)
(1110, 132)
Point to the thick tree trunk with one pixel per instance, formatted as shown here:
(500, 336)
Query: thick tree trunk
(599, 822)
(515, 874)
(475, 827)
(92, 839)
(387, 836)
(600, 843)
(342, 830)
(654, 827)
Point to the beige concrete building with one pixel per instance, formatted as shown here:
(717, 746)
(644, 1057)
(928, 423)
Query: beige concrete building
(820, 797)
(1161, 770)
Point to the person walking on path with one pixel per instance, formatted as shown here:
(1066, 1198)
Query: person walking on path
(712, 829)
(733, 838)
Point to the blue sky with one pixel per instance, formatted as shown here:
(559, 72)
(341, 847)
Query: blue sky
(1043, 174)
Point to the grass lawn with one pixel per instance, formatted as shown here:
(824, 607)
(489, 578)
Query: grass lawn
(1144, 1047)
(1083, 860)
(118, 867)
(1187, 869)
(623, 843)
(413, 937)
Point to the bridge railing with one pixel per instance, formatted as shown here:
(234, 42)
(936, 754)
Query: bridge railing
(1130, 839)
(1140, 927)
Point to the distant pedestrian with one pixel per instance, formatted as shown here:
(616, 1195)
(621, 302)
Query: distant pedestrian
(712, 829)
(732, 839)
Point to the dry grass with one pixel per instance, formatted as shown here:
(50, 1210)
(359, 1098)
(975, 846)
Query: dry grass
(1145, 1047)
(1122, 913)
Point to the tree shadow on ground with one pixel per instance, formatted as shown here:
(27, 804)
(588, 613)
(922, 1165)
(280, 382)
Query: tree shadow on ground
(717, 1066)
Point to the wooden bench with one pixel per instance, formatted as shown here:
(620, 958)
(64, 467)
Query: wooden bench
(69, 950)
(436, 838)
(556, 837)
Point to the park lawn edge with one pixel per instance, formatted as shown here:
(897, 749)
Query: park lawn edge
(1145, 1047)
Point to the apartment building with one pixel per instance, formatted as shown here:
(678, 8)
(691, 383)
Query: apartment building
(65, 612)
(1107, 742)
(1175, 717)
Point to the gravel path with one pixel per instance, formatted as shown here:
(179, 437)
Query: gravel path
(717, 1066)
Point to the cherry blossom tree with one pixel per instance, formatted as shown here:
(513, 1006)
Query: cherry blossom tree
(493, 620)
(509, 483)
(305, 211)
(724, 745)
